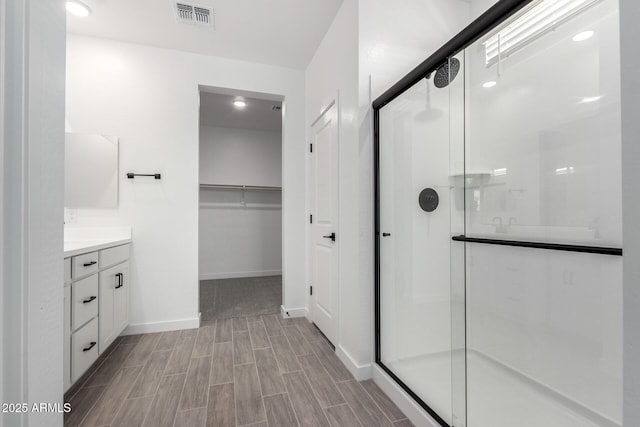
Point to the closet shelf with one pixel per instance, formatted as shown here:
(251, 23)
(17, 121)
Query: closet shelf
(239, 187)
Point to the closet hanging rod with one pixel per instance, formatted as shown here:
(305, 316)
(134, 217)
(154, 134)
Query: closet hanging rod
(240, 187)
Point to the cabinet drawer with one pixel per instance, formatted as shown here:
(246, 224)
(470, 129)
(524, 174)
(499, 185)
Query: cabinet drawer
(115, 255)
(84, 264)
(67, 270)
(84, 349)
(85, 300)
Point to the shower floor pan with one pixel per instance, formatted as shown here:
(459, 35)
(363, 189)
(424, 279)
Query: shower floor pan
(496, 396)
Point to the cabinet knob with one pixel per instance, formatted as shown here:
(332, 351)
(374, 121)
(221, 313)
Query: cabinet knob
(88, 300)
(93, 344)
(89, 264)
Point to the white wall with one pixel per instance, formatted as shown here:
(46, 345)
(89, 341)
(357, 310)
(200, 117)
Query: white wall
(32, 152)
(149, 98)
(630, 61)
(240, 239)
(394, 40)
(333, 69)
(240, 156)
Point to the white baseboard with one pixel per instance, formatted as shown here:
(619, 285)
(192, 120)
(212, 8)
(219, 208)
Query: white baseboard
(239, 274)
(359, 372)
(171, 325)
(411, 409)
(292, 312)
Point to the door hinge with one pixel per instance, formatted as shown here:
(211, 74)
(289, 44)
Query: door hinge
(310, 290)
(310, 219)
(311, 148)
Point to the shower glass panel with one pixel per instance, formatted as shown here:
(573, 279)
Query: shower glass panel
(414, 242)
(457, 183)
(501, 304)
(544, 327)
(547, 134)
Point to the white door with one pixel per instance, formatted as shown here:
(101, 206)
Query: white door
(325, 238)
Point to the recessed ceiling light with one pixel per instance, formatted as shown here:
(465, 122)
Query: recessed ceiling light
(590, 99)
(78, 8)
(583, 36)
(489, 84)
(240, 103)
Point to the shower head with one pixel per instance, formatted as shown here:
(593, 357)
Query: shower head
(446, 73)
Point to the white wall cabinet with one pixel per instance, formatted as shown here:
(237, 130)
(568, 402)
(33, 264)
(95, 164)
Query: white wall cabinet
(96, 306)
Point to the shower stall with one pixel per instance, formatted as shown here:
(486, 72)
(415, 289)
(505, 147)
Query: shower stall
(498, 221)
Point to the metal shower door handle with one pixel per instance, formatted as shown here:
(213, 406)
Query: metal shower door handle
(331, 236)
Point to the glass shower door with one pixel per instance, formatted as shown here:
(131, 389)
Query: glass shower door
(415, 198)
(544, 323)
(499, 282)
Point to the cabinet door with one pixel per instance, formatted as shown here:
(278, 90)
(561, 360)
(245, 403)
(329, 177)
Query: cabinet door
(66, 356)
(121, 308)
(114, 308)
(108, 282)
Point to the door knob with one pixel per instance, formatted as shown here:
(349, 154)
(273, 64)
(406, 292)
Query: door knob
(331, 236)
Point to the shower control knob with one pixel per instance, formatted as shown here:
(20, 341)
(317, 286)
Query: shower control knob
(428, 200)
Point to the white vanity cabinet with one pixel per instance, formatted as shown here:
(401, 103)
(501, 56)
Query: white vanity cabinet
(96, 307)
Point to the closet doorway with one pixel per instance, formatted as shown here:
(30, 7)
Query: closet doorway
(240, 215)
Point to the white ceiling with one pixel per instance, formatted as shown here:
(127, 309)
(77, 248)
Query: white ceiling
(218, 110)
(276, 32)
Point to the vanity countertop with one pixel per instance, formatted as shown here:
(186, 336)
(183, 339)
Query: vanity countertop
(77, 247)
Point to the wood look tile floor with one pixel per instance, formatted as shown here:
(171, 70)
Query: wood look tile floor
(246, 371)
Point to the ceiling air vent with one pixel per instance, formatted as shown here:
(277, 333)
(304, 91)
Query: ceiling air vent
(200, 16)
